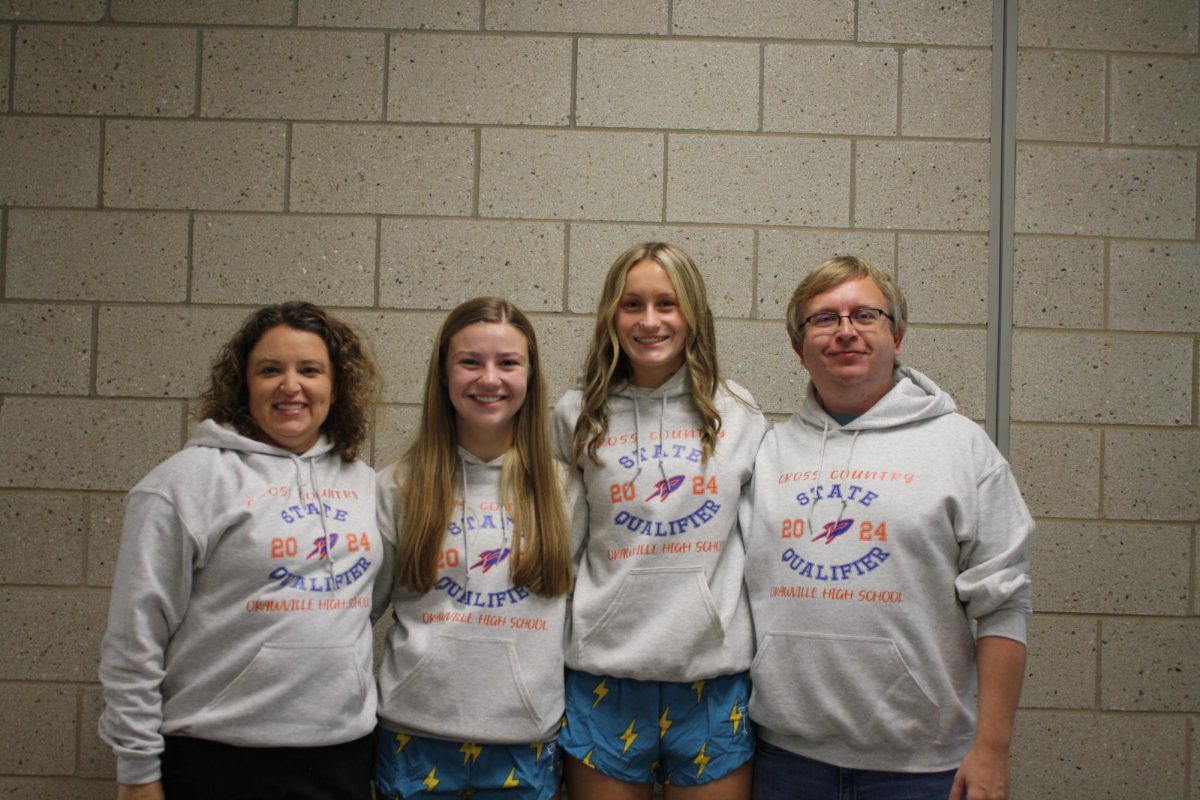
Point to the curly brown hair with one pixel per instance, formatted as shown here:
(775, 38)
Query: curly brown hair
(355, 377)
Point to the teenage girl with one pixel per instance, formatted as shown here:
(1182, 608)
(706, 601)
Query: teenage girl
(471, 686)
(661, 639)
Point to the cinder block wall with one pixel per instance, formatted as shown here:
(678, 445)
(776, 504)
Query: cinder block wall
(167, 165)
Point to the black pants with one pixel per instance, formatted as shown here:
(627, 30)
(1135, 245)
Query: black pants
(198, 769)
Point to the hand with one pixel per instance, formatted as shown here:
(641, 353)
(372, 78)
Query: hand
(140, 791)
(983, 775)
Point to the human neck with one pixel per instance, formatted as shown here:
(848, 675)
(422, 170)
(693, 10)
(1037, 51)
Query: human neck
(485, 446)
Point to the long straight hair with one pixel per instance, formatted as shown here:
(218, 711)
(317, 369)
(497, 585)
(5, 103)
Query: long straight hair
(607, 364)
(529, 483)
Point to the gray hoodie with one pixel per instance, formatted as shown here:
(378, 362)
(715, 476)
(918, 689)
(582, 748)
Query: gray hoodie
(872, 547)
(240, 607)
(474, 658)
(659, 592)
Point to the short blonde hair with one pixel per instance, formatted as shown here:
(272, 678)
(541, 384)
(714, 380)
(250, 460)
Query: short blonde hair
(835, 272)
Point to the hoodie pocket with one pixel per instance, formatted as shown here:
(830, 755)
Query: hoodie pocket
(463, 680)
(292, 692)
(854, 688)
(660, 617)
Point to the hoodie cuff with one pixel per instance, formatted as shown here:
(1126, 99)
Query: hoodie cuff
(133, 770)
(1008, 623)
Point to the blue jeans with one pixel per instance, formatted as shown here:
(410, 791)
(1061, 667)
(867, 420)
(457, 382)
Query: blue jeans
(783, 775)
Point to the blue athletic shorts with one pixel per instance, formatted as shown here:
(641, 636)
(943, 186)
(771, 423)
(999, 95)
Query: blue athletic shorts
(685, 734)
(421, 767)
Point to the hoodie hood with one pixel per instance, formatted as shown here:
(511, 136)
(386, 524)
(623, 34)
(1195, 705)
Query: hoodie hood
(213, 434)
(913, 398)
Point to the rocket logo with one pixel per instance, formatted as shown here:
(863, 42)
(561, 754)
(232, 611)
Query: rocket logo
(490, 558)
(319, 546)
(832, 530)
(664, 488)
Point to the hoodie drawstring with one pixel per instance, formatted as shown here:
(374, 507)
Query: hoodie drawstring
(817, 480)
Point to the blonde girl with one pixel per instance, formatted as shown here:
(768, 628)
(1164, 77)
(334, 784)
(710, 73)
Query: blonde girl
(661, 639)
(471, 686)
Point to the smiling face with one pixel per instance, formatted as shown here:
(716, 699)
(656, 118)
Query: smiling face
(651, 327)
(289, 380)
(487, 375)
(850, 368)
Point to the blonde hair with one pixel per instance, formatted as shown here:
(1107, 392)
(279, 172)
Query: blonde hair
(834, 272)
(607, 364)
(529, 483)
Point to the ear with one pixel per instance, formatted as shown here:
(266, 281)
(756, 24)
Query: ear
(800, 352)
(899, 339)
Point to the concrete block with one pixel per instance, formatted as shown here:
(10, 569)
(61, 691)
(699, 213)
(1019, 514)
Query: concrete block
(766, 180)
(925, 22)
(1060, 95)
(205, 12)
(1150, 666)
(758, 355)
(193, 164)
(1155, 101)
(43, 719)
(1106, 192)
(401, 343)
(49, 161)
(577, 16)
(922, 185)
(394, 430)
(160, 351)
(956, 360)
(97, 453)
(48, 349)
(292, 74)
(856, 93)
(1101, 378)
(382, 169)
(96, 759)
(1107, 568)
(68, 69)
(1060, 666)
(55, 789)
(947, 93)
(264, 259)
(1152, 474)
(391, 14)
(624, 83)
(428, 263)
(5, 65)
(570, 174)
(1195, 756)
(945, 277)
(785, 19)
(1167, 26)
(517, 80)
(96, 255)
(1108, 756)
(1058, 469)
(564, 343)
(51, 635)
(1058, 282)
(785, 257)
(44, 537)
(1154, 286)
(724, 257)
(52, 10)
(106, 512)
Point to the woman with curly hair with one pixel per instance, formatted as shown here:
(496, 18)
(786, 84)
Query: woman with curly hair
(237, 660)
(660, 640)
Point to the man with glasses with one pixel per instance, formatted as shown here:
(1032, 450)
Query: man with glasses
(887, 566)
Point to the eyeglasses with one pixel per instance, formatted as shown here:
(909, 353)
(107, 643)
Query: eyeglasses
(860, 318)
